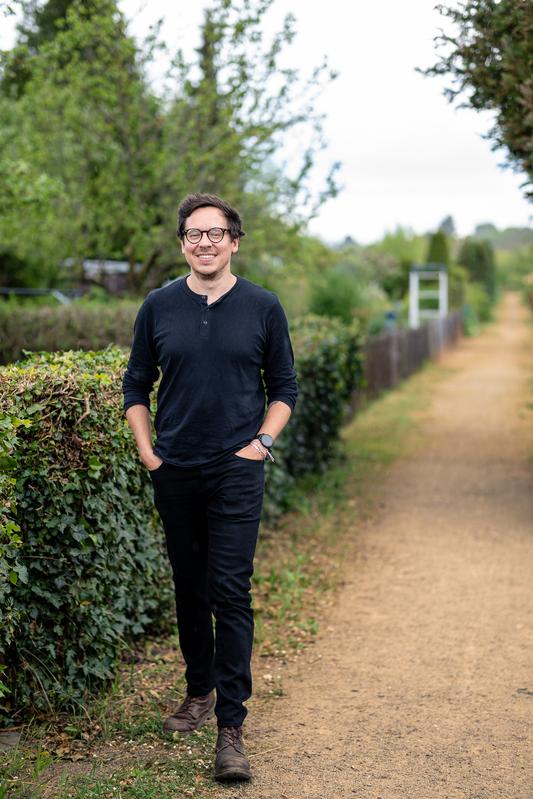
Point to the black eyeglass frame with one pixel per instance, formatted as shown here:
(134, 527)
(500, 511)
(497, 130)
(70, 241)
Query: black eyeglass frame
(201, 232)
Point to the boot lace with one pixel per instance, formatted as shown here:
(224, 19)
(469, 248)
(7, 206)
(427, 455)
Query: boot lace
(186, 709)
(231, 736)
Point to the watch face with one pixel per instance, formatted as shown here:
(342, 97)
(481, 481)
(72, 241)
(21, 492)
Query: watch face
(265, 439)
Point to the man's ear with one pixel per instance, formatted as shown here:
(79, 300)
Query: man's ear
(235, 245)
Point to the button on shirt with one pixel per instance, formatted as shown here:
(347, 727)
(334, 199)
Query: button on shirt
(218, 364)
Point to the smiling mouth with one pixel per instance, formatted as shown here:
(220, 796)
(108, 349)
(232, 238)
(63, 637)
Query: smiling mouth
(208, 256)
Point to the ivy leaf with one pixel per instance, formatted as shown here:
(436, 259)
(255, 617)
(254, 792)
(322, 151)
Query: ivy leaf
(31, 409)
(95, 466)
(22, 572)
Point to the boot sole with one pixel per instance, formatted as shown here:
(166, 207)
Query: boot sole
(232, 775)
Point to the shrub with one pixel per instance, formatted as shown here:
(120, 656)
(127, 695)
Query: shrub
(458, 281)
(438, 249)
(477, 309)
(329, 368)
(337, 297)
(11, 567)
(477, 257)
(89, 571)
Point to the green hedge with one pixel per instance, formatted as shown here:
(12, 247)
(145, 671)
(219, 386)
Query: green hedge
(329, 368)
(89, 572)
(82, 558)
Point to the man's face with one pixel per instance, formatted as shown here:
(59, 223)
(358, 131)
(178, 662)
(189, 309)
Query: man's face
(206, 258)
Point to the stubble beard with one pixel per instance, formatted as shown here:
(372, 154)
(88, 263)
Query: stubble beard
(211, 277)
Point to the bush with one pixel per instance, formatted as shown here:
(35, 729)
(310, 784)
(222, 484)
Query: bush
(335, 297)
(81, 550)
(477, 257)
(89, 572)
(11, 567)
(458, 281)
(477, 309)
(329, 368)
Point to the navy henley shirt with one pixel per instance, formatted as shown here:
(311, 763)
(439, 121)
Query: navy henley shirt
(213, 360)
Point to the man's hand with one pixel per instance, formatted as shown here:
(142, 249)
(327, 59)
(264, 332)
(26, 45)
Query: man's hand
(250, 453)
(152, 462)
(138, 417)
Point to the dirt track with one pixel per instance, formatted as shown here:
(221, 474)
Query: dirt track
(420, 685)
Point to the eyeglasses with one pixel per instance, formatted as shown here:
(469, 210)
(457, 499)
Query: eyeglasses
(214, 234)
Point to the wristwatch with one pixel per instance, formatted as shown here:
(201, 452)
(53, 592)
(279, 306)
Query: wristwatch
(266, 440)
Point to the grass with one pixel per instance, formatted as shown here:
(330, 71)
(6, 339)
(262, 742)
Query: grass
(114, 746)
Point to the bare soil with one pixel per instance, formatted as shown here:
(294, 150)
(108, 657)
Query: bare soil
(420, 683)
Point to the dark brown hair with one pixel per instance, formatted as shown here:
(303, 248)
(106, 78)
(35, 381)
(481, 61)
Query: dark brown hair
(193, 201)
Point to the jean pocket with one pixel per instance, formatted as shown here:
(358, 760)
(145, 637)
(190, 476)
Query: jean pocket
(157, 469)
(247, 460)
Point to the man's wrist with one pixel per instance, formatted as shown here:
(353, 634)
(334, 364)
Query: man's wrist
(265, 452)
(265, 439)
(258, 448)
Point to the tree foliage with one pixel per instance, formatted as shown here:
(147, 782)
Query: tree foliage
(448, 226)
(85, 116)
(87, 119)
(478, 258)
(393, 258)
(230, 124)
(438, 249)
(490, 61)
(39, 24)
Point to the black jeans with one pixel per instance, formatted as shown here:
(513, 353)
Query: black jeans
(211, 518)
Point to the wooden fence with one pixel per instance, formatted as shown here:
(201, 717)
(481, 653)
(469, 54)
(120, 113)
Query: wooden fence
(395, 354)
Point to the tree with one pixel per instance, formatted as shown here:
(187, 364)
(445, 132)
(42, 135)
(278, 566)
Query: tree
(403, 244)
(507, 239)
(8, 8)
(478, 258)
(490, 61)
(448, 226)
(87, 118)
(39, 24)
(391, 259)
(228, 127)
(24, 193)
(438, 250)
(124, 156)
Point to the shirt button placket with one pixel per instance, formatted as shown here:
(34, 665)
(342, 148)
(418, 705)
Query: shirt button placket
(204, 322)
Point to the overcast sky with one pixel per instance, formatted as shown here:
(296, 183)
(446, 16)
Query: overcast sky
(409, 158)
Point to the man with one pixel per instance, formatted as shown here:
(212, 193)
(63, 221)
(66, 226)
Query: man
(216, 337)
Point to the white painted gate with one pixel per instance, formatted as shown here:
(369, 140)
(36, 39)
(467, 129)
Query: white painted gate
(416, 293)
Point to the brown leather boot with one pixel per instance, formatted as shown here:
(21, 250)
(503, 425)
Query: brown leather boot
(231, 762)
(191, 714)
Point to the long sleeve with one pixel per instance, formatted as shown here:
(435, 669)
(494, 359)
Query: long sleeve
(141, 371)
(218, 365)
(278, 362)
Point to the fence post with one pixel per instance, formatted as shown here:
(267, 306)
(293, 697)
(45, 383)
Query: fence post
(414, 319)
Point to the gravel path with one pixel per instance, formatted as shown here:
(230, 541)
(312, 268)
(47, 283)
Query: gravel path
(420, 684)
